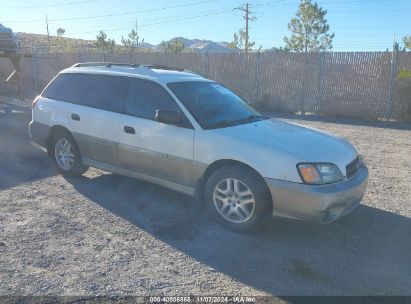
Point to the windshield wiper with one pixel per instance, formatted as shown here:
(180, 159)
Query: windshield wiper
(222, 124)
(254, 117)
(230, 123)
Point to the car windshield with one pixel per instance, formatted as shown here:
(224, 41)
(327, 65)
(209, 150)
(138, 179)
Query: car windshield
(213, 105)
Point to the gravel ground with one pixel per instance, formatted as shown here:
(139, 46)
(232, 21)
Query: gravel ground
(103, 234)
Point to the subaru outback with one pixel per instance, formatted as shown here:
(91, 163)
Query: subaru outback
(179, 130)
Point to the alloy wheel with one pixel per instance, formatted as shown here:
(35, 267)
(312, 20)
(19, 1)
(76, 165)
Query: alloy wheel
(234, 200)
(63, 153)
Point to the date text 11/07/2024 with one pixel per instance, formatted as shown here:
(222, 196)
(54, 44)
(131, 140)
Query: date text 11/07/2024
(199, 299)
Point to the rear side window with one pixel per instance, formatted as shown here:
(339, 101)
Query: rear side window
(107, 93)
(69, 87)
(145, 97)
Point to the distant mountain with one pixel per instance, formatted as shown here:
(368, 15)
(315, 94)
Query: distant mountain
(211, 47)
(147, 45)
(187, 42)
(199, 45)
(40, 43)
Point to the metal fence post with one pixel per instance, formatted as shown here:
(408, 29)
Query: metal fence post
(320, 82)
(302, 89)
(257, 76)
(34, 71)
(58, 62)
(391, 84)
(165, 58)
(79, 55)
(205, 61)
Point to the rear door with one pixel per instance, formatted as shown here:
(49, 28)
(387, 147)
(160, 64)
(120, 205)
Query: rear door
(95, 120)
(66, 90)
(152, 148)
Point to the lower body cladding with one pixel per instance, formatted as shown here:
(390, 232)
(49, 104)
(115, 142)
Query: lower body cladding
(323, 204)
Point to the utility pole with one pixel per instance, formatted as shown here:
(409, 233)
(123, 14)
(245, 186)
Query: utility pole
(248, 17)
(137, 32)
(391, 84)
(246, 27)
(48, 33)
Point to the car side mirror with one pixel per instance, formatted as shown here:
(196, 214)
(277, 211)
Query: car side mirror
(172, 117)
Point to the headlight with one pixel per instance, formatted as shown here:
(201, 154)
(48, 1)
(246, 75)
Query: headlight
(318, 174)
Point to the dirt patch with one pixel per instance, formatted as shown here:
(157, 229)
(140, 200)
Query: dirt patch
(303, 270)
(104, 234)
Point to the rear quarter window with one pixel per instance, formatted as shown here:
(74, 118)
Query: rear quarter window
(68, 87)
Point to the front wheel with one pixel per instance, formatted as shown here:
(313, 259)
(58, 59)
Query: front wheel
(238, 197)
(65, 154)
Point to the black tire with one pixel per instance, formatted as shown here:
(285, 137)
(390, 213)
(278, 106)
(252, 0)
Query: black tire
(77, 168)
(255, 183)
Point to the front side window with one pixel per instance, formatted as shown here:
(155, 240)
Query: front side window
(107, 93)
(146, 97)
(213, 105)
(69, 87)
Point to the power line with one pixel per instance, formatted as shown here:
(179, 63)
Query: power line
(49, 5)
(371, 11)
(174, 21)
(157, 23)
(328, 2)
(346, 27)
(267, 3)
(357, 1)
(118, 14)
(93, 24)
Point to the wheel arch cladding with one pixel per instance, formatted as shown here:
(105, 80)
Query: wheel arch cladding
(53, 131)
(220, 164)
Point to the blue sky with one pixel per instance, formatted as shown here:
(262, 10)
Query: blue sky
(359, 25)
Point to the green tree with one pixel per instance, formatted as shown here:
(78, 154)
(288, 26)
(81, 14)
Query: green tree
(407, 42)
(398, 48)
(239, 41)
(309, 29)
(235, 43)
(105, 44)
(132, 42)
(173, 47)
(62, 44)
(60, 32)
(279, 49)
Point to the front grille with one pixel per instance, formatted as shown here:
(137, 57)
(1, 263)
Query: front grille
(352, 168)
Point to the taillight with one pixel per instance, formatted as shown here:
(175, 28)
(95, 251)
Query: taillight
(33, 104)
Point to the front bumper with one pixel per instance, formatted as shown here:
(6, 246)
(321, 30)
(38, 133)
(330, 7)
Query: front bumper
(323, 204)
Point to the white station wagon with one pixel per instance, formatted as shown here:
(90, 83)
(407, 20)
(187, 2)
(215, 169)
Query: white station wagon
(182, 131)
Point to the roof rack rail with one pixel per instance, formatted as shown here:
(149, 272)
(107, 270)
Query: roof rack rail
(162, 67)
(132, 65)
(105, 64)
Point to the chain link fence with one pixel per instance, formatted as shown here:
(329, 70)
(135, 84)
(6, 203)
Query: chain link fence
(369, 85)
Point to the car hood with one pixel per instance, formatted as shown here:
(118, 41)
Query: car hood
(308, 144)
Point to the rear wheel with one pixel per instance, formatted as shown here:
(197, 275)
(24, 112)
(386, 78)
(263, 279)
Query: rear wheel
(65, 154)
(238, 197)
